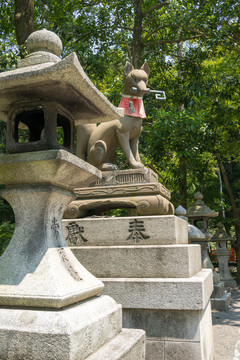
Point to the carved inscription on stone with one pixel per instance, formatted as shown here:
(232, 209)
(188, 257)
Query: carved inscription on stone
(68, 265)
(136, 229)
(55, 228)
(75, 233)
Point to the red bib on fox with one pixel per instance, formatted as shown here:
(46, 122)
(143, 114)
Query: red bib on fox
(135, 108)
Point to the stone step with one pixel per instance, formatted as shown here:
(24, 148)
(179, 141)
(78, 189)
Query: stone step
(128, 345)
(221, 304)
(71, 333)
(158, 293)
(139, 261)
(142, 230)
(218, 290)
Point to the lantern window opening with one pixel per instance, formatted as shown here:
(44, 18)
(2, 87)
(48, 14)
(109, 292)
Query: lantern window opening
(29, 125)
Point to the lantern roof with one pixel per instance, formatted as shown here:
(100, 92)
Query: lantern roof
(42, 75)
(221, 235)
(199, 210)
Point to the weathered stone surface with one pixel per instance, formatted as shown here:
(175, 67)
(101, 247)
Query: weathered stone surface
(37, 268)
(52, 167)
(154, 349)
(134, 189)
(174, 333)
(169, 325)
(218, 290)
(64, 82)
(172, 294)
(199, 210)
(129, 176)
(164, 261)
(128, 345)
(69, 334)
(222, 303)
(183, 351)
(155, 230)
(44, 40)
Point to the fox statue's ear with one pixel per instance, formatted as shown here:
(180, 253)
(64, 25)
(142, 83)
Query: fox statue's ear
(146, 68)
(128, 67)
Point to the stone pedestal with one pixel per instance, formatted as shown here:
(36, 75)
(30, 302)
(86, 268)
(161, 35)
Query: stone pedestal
(148, 266)
(50, 305)
(221, 238)
(220, 299)
(136, 189)
(225, 275)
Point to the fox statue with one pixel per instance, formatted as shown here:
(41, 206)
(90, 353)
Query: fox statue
(98, 144)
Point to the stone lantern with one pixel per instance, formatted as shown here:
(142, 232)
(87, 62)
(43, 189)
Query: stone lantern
(196, 236)
(199, 212)
(50, 305)
(222, 253)
(46, 93)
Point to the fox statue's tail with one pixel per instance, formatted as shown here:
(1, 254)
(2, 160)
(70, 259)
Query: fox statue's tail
(83, 134)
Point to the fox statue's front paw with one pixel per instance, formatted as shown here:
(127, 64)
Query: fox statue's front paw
(137, 165)
(108, 167)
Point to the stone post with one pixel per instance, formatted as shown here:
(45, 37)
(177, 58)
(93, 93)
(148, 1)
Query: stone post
(199, 212)
(222, 253)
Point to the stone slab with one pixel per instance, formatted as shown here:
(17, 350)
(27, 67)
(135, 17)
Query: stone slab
(70, 334)
(52, 167)
(166, 294)
(177, 325)
(183, 351)
(128, 345)
(154, 349)
(221, 304)
(173, 333)
(154, 230)
(232, 284)
(164, 261)
(218, 290)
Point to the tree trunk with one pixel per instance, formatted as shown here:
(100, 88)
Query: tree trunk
(183, 183)
(236, 216)
(182, 160)
(137, 45)
(24, 19)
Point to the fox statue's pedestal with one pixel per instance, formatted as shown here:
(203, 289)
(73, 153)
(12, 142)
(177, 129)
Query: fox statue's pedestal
(136, 189)
(147, 265)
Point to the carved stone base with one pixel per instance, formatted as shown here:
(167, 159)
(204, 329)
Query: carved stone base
(135, 188)
(147, 265)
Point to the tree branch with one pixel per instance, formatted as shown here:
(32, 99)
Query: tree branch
(155, 7)
(172, 41)
(153, 32)
(157, 51)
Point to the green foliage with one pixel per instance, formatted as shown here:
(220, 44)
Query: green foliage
(6, 232)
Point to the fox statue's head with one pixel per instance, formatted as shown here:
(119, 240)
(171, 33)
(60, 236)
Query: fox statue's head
(135, 78)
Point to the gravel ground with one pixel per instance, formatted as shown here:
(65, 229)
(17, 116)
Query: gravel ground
(226, 329)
